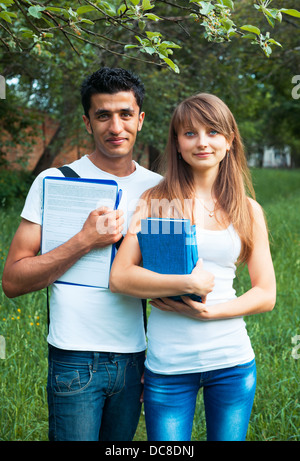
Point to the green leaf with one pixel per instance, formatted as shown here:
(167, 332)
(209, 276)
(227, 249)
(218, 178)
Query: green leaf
(250, 36)
(110, 9)
(227, 23)
(171, 44)
(153, 34)
(294, 13)
(149, 49)
(85, 9)
(273, 12)
(207, 7)
(153, 17)
(271, 21)
(228, 3)
(72, 13)
(11, 14)
(28, 34)
(87, 21)
(35, 11)
(253, 29)
(274, 42)
(50, 24)
(146, 5)
(135, 2)
(139, 39)
(128, 47)
(5, 3)
(172, 65)
(4, 15)
(267, 49)
(54, 9)
(142, 25)
(121, 9)
(162, 54)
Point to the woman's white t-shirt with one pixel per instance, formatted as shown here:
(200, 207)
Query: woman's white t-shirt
(179, 344)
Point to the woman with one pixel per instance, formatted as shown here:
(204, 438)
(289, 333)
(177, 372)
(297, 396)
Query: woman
(191, 344)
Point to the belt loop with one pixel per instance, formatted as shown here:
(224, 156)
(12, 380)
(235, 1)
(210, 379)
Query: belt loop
(96, 360)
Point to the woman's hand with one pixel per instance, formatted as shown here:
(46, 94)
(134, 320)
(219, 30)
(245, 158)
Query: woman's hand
(187, 307)
(202, 281)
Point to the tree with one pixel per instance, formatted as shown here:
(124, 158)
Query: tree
(49, 69)
(28, 26)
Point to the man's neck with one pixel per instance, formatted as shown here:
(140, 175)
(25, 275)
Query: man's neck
(117, 166)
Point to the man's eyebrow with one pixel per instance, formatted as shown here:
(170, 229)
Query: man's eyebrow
(105, 111)
(101, 111)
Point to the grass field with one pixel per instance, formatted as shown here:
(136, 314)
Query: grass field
(276, 411)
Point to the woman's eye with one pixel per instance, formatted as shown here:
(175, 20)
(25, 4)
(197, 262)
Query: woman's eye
(213, 132)
(189, 133)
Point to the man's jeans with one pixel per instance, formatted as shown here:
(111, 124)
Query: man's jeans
(94, 395)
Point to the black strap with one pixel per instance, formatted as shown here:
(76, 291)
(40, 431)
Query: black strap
(70, 173)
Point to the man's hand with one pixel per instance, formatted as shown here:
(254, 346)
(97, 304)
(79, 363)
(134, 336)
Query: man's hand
(26, 271)
(103, 227)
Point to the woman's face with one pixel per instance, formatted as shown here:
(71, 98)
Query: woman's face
(202, 147)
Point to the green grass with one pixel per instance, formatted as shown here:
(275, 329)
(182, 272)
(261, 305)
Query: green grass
(276, 411)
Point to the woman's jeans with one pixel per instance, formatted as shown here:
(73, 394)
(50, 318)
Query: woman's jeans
(94, 395)
(170, 402)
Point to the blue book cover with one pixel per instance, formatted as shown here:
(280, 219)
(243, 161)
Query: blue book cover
(169, 246)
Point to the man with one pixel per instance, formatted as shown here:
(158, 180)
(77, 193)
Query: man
(96, 338)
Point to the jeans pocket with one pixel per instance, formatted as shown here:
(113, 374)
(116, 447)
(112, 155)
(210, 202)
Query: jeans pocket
(67, 381)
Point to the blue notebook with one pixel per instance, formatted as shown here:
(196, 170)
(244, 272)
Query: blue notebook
(169, 246)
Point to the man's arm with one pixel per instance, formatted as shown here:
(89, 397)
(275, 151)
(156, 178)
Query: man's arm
(26, 271)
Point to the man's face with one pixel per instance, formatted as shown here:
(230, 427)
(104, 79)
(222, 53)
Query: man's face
(114, 120)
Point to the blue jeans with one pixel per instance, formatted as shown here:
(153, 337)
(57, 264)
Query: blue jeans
(170, 402)
(94, 395)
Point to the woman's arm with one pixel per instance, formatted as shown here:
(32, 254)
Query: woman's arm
(260, 298)
(128, 277)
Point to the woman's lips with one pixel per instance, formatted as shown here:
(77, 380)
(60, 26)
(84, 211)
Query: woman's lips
(203, 154)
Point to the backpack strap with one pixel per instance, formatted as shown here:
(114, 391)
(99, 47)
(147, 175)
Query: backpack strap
(70, 173)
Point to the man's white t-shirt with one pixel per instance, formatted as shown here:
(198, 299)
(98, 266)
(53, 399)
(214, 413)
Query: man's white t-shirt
(86, 318)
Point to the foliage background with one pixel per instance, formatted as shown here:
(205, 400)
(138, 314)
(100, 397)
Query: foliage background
(45, 75)
(259, 92)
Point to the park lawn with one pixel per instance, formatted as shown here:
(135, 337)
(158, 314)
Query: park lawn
(275, 415)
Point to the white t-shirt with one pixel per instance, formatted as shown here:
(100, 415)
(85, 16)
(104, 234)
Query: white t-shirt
(94, 319)
(178, 344)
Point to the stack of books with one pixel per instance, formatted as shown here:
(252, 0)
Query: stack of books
(169, 246)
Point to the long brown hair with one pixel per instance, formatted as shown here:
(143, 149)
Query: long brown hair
(233, 182)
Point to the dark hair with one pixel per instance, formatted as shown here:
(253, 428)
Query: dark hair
(111, 80)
